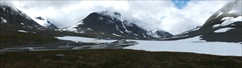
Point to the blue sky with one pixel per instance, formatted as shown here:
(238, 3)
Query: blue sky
(180, 3)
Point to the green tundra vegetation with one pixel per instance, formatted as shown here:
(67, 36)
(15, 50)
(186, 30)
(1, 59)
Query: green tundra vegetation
(115, 58)
(10, 37)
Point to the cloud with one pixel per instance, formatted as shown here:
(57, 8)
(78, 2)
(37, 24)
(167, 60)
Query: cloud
(149, 14)
(64, 13)
(194, 14)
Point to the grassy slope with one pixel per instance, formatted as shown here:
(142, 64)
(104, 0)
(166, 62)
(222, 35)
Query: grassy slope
(10, 37)
(115, 59)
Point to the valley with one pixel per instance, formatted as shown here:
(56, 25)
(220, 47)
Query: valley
(112, 38)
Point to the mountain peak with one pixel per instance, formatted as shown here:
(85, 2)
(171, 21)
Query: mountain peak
(107, 24)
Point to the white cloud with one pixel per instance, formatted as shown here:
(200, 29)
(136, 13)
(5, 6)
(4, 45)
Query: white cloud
(152, 14)
(192, 15)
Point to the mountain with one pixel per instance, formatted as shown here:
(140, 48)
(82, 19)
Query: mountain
(108, 24)
(12, 15)
(18, 29)
(225, 25)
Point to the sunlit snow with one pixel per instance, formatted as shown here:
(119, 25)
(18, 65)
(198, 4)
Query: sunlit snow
(223, 30)
(4, 20)
(220, 13)
(231, 20)
(228, 21)
(22, 31)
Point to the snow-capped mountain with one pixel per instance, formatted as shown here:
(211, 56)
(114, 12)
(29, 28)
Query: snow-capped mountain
(12, 15)
(108, 24)
(224, 25)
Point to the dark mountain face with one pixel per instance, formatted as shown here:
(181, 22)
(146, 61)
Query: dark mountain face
(10, 15)
(234, 34)
(225, 30)
(17, 29)
(104, 25)
(225, 25)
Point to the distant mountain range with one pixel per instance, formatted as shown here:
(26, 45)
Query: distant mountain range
(225, 25)
(96, 24)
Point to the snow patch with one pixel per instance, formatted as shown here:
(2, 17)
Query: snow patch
(4, 20)
(220, 13)
(223, 30)
(22, 31)
(125, 28)
(22, 23)
(83, 39)
(116, 34)
(232, 11)
(144, 35)
(230, 20)
(89, 29)
(100, 18)
(4, 9)
(153, 34)
(216, 25)
(73, 27)
(136, 34)
(117, 28)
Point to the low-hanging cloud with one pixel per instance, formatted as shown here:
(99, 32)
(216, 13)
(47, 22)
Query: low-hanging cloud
(151, 14)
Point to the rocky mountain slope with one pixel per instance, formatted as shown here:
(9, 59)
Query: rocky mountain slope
(14, 16)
